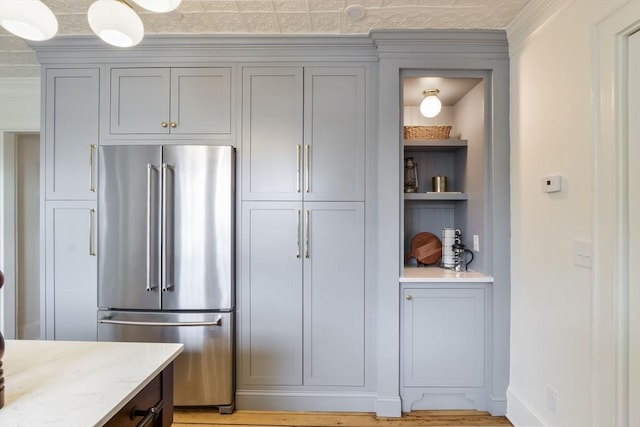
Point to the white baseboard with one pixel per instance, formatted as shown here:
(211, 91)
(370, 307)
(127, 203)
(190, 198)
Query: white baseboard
(305, 401)
(519, 413)
(497, 406)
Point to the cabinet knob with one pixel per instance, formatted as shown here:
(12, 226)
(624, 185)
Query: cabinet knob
(409, 297)
(164, 124)
(173, 124)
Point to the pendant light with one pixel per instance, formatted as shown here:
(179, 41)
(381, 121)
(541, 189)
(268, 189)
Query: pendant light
(115, 22)
(29, 19)
(430, 105)
(160, 6)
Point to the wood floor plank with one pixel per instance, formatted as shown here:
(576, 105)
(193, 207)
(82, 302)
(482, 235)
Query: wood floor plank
(243, 418)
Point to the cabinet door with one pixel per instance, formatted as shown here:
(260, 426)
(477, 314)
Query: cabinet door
(271, 293)
(334, 294)
(140, 100)
(443, 337)
(71, 133)
(71, 270)
(272, 134)
(200, 101)
(334, 129)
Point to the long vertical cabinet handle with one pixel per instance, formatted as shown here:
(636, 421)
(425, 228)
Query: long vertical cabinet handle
(92, 186)
(298, 147)
(306, 233)
(92, 247)
(298, 233)
(150, 229)
(307, 171)
(165, 230)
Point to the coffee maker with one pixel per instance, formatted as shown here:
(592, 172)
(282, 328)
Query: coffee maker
(454, 253)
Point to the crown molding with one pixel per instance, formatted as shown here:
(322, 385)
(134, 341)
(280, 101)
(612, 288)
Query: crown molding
(531, 20)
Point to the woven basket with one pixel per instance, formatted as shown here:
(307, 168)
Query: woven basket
(427, 132)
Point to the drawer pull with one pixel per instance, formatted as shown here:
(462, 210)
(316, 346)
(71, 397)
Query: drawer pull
(409, 297)
(149, 414)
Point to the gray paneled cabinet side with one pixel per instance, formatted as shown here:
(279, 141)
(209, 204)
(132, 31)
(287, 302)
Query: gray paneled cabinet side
(170, 101)
(70, 137)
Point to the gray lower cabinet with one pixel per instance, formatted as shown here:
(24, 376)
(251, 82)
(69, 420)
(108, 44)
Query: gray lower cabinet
(302, 295)
(176, 101)
(71, 270)
(444, 344)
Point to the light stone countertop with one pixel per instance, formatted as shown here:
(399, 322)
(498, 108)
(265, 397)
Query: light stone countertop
(68, 383)
(438, 274)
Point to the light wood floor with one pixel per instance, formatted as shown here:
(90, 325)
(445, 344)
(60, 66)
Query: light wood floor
(241, 418)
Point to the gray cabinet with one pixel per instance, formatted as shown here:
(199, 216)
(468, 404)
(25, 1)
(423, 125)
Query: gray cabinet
(444, 345)
(176, 101)
(303, 133)
(71, 99)
(71, 123)
(302, 287)
(71, 270)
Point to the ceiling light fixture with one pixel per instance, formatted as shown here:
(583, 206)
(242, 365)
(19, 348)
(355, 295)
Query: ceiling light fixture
(160, 6)
(430, 105)
(29, 19)
(115, 22)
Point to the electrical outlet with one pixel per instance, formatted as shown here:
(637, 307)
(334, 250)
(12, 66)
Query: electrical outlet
(476, 243)
(552, 399)
(582, 253)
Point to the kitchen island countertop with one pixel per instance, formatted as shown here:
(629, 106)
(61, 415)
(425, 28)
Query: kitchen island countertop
(65, 383)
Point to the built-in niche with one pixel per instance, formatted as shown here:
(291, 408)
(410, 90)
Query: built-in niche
(461, 158)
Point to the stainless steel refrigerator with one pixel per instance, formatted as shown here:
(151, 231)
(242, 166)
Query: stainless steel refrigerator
(166, 259)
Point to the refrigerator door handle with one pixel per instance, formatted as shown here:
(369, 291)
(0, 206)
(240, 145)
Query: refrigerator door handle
(133, 323)
(166, 285)
(151, 283)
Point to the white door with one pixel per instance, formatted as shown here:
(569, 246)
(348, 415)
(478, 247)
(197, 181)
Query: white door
(271, 294)
(71, 271)
(634, 229)
(334, 294)
(272, 133)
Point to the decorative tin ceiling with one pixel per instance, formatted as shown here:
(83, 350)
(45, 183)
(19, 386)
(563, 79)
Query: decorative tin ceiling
(276, 17)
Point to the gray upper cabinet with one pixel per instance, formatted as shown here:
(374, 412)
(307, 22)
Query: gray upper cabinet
(71, 133)
(303, 133)
(171, 101)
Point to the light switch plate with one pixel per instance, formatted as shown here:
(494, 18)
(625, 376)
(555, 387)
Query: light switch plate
(582, 253)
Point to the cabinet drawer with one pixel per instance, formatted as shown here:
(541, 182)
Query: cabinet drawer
(149, 397)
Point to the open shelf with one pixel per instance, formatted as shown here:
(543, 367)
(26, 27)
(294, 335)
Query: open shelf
(436, 196)
(434, 144)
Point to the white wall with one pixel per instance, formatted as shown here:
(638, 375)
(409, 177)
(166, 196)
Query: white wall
(552, 132)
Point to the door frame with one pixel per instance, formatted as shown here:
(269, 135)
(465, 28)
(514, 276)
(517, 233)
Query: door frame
(610, 321)
(8, 261)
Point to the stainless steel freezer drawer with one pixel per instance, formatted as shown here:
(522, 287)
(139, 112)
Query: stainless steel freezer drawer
(203, 373)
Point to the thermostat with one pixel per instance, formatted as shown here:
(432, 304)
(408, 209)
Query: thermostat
(551, 184)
